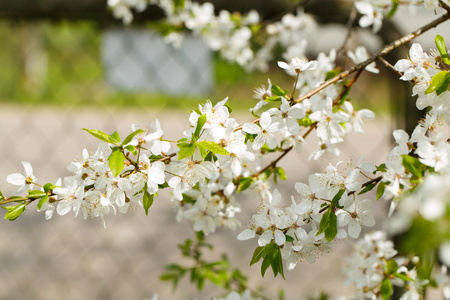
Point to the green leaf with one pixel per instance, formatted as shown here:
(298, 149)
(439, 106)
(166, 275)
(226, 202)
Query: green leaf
(402, 277)
(412, 164)
(265, 264)
(200, 123)
(186, 150)
(147, 200)
(331, 231)
(444, 86)
(380, 168)
(391, 267)
(367, 188)
(266, 174)
(103, 136)
(244, 183)
(279, 263)
(257, 255)
(116, 162)
(203, 151)
(48, 186)
(269, 248)
(337, 197)
(392, 11)
(36, 194)
(278, 91)
(324, 222)
(14, 211)
(281, 173)
(132, 149)
(386, 289)
(289, 238)
(437, 81)
(332, 73)
(380, 189)
(131, 136)
(42, 201)
(213, 147)
(115, 136)
(273, 99)
(440, 44)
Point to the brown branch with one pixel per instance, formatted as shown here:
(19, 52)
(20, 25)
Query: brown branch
(401, 41)
(375, 180)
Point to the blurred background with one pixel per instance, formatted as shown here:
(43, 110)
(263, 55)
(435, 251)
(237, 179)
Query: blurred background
(68, 65)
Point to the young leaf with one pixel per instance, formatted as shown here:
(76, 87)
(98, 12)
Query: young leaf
(278, 91)
(278, 262)
(147, 200)
(102, 136)
(337, 197)
(402, 277)
(14, 211)
(412, 164)
(257, 255)
(331, 231)
(48, 187)
(115, 136)
(36, 194)
(244, 183)
(186, 150)
(386, 289)
(116, 162)
(391, 13)
(380, 189)
(265, 264)
(367, 188)
(273, 99)
(203, 150)
(213, 147)
(391, 267)
(440, 44)
(324, 222)
(437, 82)
(281, 173)
(42, 201)
(200, 123)
(132, 149)
(131, 136)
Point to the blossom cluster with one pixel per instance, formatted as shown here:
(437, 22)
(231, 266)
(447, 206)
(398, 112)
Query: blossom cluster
(374, 266)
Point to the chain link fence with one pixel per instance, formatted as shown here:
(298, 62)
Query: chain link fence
(59, 77)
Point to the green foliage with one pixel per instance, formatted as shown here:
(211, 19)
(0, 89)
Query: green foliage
(440, 44)
(244, 183)
(200, 123)
(147, 200)
(393, 10)
(218, 272)
(367, 188)
(386, 289)
(328, 223)
(271, 255)
(186, 150)
(213, 147)
(109, 138)
(14, 211)
(380, 189)
(131, 136)
(439, 83)
(116, 161)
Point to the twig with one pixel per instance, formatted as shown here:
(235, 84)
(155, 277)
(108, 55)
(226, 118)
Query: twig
(401, 41)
